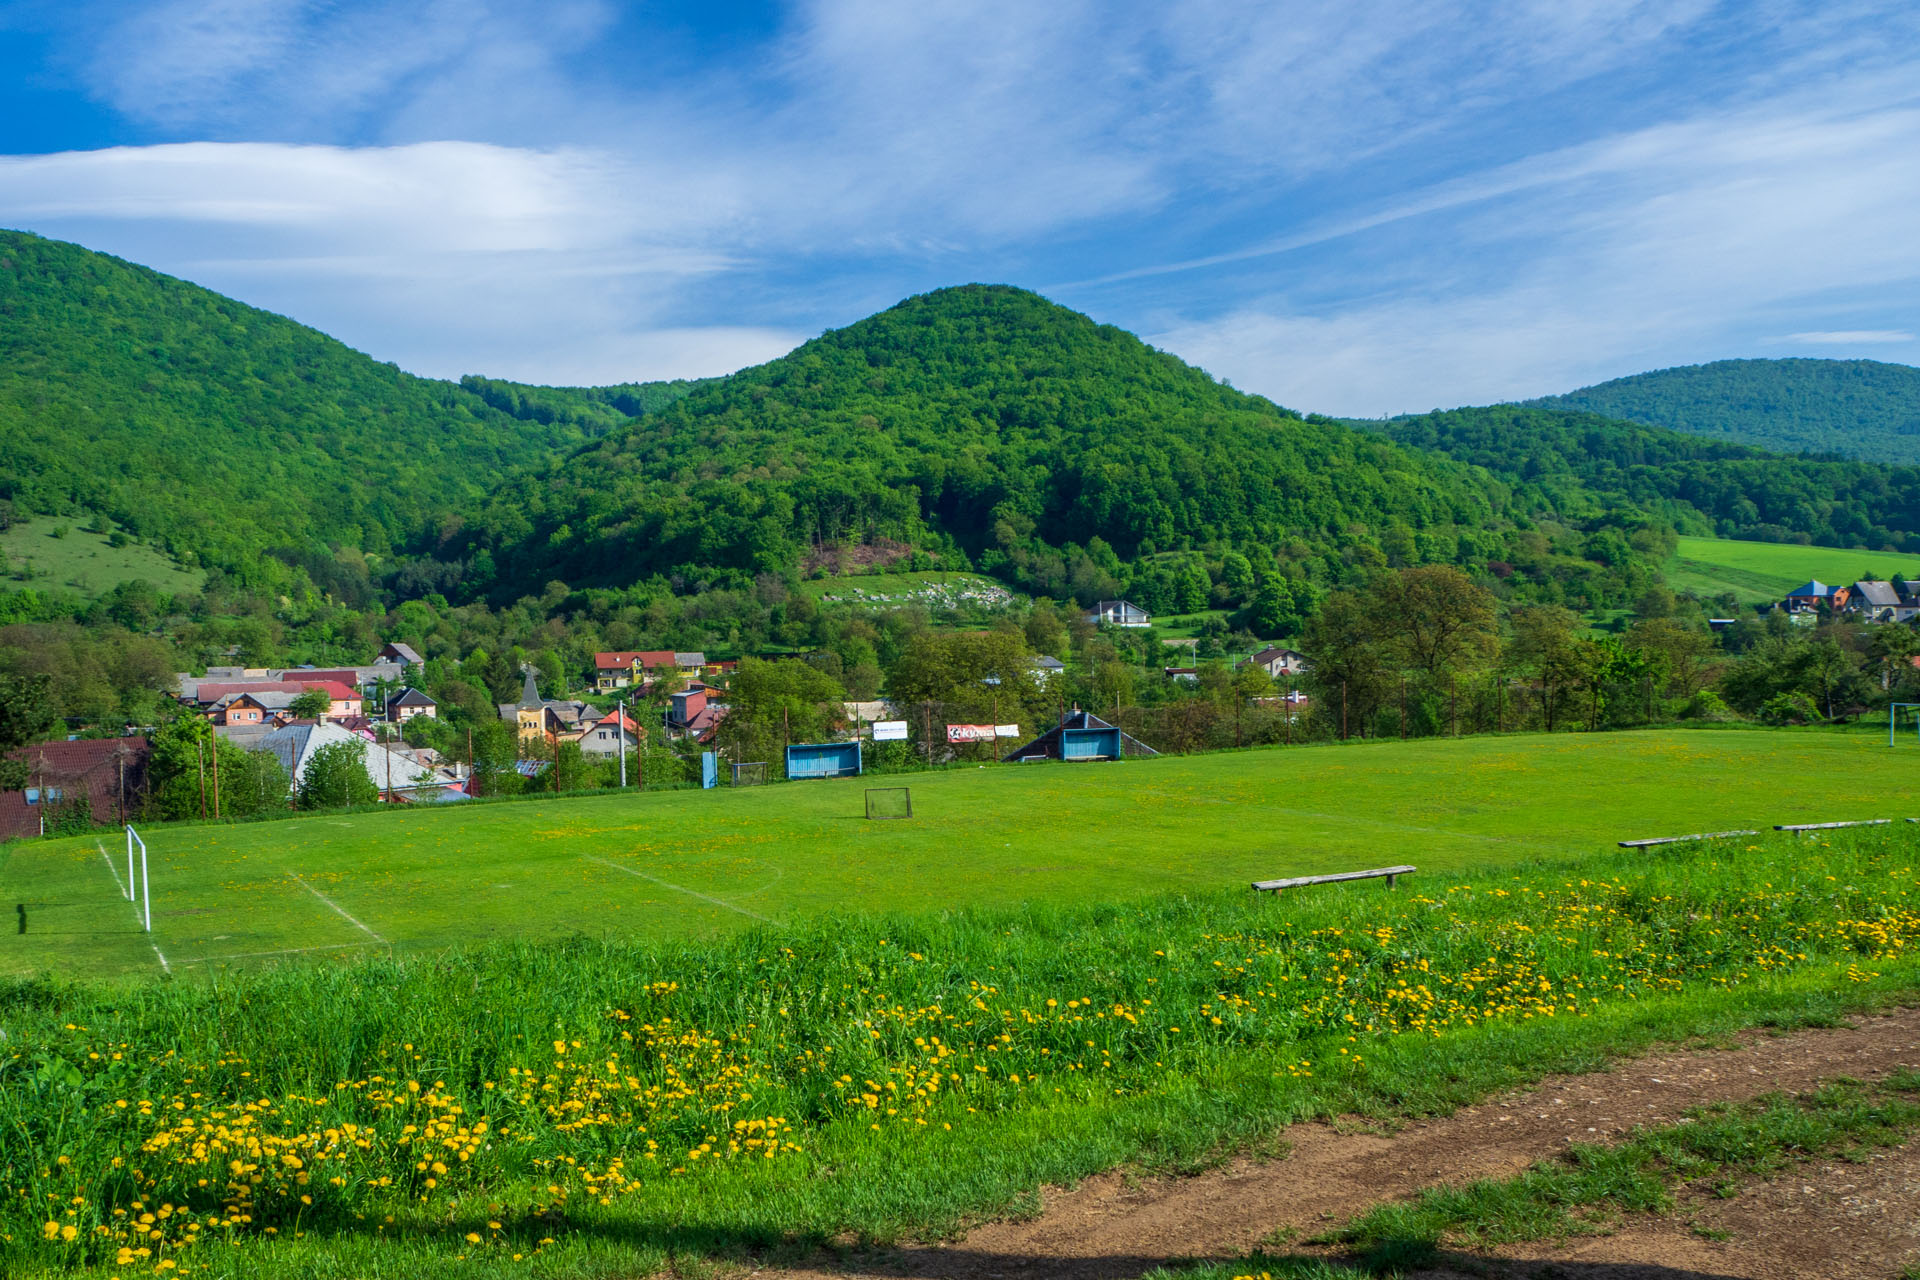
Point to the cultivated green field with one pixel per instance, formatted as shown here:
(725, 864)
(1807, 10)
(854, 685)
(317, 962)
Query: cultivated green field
(1765, 571)
(687, 863)
(86, 563)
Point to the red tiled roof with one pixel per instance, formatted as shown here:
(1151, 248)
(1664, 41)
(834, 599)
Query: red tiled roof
(334, 689)
(210, 691)
(615, 658)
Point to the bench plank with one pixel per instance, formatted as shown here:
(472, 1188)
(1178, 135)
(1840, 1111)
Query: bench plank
(1829, 826)
(1704, 835)
(1296, 882)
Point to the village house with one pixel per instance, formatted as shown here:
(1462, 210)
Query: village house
(396, 773)
(609, 736)
(619, 668)
(1875, 601)
(1277, 662)
(400, 654)
(408, 703)
(1809, 597)
(691, 713)
(108, 774)
(1045, 669)
(1118, 613)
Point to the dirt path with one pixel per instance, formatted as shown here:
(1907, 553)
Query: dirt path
(1112, 1227)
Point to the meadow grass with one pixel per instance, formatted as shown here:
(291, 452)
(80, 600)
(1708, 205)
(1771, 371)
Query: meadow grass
(598, 1108)
(1762, 572)
(700, 864)
(87, 563)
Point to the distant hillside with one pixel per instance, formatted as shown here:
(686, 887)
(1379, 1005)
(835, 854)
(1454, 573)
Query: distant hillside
(1853, 408)
(217, 430)
(595, 409)
(982, 424)
(1584, 466)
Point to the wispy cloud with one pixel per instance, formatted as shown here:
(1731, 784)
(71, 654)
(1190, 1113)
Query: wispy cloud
(1352, 206)
(1851, 337)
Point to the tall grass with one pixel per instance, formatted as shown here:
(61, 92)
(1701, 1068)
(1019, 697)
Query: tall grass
(597, 1106)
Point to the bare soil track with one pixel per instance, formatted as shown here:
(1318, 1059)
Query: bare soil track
(1829, 1219)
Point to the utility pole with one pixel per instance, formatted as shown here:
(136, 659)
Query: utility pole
(200, 754)
(620, 730)
(215, 753)
(469, 759)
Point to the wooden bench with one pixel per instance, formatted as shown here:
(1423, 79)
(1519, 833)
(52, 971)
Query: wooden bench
(1296, 882)
(1829, 826)
(1704, 835)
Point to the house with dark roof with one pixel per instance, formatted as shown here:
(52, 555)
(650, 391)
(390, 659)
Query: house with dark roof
(408, 703)
(1871, 600)
(1810, 597)
(389, 769)
(554, 719)
(108, 774)
(401, 653)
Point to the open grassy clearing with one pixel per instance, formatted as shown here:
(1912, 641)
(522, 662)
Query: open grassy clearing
(1759, 572)
(595, 1109)
(87, 563)
(931, 587)
(681, 864)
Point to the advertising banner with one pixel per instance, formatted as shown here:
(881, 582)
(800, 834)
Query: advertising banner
(971, 733)
(889, 730)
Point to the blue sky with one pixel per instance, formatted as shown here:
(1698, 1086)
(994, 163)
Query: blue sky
(1359, 206)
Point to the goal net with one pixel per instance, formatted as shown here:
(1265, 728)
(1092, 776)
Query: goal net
(749, 775)
(889, 802)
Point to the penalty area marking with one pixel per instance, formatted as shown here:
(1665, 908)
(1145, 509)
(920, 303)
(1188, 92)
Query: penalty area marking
(664, 884)
(339, 911)
(290, 951)
(125, 892)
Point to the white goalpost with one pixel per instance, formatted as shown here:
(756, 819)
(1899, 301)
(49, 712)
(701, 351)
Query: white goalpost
(144, 903)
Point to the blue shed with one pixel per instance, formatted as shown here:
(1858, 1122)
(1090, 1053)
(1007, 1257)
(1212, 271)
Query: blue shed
(1090, 744)
(824, 760)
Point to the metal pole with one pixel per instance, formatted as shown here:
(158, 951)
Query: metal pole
(200, 754)
(129, 864)
(620, 730)
(146, 889)
(216, 779)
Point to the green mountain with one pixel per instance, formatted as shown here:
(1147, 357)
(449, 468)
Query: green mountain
(217, 431)
(1852, 408)
(981, 425)
(1583, 466)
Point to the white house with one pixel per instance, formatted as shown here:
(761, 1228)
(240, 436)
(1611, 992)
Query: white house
(1118, 613)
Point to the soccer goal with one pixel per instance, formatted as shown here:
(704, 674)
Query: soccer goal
(750, 775)
(889, 802)
(1893, 719)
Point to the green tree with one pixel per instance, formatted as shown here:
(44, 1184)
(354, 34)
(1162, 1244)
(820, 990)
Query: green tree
(1545, 647)
(311, 704)
(25, 716)
(336, 777)
(775, 704)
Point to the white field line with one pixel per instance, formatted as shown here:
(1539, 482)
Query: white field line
(290, 951)
(338, 910)
(124, 892)
(664, 884)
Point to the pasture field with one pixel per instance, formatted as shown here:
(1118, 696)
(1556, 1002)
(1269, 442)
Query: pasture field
(596, 1109)
(687, 864)
(86, 563)
(1759, 572)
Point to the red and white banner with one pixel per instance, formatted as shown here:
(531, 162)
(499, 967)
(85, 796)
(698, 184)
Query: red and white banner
(981, 732)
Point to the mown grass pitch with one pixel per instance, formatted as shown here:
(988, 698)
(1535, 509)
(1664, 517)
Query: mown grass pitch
(690, 863)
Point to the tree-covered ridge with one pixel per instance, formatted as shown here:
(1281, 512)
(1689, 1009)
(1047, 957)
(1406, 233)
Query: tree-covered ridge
(594, 409)
(980, 423)
(218, 430)
(1582, 464)
(1855, 408)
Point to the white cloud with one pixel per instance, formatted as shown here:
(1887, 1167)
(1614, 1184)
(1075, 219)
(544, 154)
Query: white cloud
(1850, 337)
(1676, 243)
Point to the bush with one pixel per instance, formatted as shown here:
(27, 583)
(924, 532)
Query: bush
(1789, 708)
(1706, 705)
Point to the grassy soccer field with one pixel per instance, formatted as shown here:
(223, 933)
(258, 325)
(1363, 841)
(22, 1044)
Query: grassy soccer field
(686, 863)
(1757, 572)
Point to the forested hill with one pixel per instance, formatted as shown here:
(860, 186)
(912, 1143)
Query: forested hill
(982, 420)
(1854, 408)
(218, 430)
(1583, 465)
